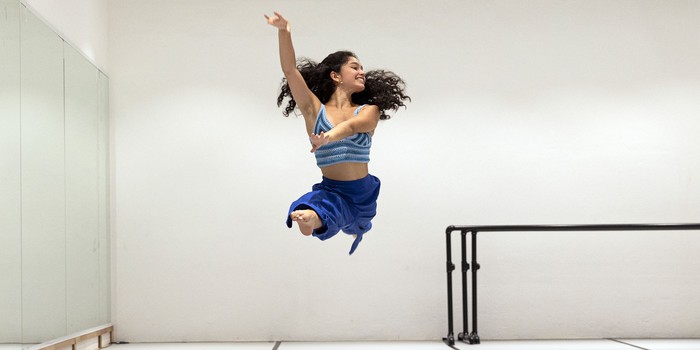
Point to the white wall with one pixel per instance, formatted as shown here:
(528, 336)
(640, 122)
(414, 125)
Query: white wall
(538, 112)
(83, 23)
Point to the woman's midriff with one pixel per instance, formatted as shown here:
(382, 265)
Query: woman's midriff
(346, 171)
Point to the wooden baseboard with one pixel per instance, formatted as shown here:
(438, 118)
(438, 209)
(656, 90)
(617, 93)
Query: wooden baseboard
(74, 339)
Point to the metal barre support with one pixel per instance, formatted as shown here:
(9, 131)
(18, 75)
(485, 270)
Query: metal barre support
(450, 339)
(473, 337)
(464, 336)
(465, 268)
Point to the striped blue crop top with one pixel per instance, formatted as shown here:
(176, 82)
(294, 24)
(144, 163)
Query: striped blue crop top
(353, 149)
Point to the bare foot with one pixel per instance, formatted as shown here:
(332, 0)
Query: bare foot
(307, 219)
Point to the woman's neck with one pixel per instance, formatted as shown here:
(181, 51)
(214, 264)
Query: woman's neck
(340, 99)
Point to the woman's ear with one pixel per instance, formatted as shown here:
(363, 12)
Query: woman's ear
(335, 77)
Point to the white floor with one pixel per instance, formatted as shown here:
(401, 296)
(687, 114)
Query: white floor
(602, 344)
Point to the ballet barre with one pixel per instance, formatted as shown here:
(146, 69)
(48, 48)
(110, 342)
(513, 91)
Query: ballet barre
(473, 336)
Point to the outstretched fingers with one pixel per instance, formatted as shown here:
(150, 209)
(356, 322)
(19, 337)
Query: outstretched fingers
(277, 21)
(318, 140)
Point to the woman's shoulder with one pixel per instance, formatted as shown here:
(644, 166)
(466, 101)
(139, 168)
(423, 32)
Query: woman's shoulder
(367, 108)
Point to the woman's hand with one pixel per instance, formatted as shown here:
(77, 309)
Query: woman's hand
(318, 140)
(278, 21)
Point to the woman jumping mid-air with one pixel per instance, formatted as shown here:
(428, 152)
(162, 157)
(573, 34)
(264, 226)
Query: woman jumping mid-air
(342, 106)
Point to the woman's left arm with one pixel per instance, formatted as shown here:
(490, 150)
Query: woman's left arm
(364, 122)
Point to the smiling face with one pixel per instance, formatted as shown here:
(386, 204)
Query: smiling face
(351, 75)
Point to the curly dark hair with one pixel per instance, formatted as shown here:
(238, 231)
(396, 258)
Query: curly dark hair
(382, 88)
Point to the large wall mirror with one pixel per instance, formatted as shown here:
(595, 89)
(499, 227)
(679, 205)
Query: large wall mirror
(54, 199)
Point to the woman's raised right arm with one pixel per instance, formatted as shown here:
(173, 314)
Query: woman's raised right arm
(307, 102)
